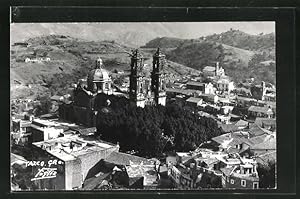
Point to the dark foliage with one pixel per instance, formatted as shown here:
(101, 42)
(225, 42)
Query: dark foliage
(148, 131)
(266, 175)
(21, 176)
(197, 55)
(164, 42)
(243, 40)
(44, 106)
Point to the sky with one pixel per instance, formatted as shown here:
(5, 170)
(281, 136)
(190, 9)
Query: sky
(253, 28)
(144, 31)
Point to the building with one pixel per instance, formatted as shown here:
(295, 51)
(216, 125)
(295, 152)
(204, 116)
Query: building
(196, 169)
(245, 101)
(172, 92)
(194, 101)
(42, 130)
(258, 111)
(262, 92)
(267, 123)
(206, 88)
(37, 60)
(235, 142)
(142, 89)
(99, 80)
(145, 171)
(210, 71)
(225, 85)
(226, 109)
(266, 145)
(242, 176)
(210, 98)
(88, 97)
(77, 155)
(270, 96)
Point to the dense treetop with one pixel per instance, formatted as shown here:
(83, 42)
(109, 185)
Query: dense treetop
(154, 129)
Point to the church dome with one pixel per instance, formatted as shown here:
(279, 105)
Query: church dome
(98, 75)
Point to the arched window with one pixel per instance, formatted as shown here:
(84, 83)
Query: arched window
(141, 87)
(106, 86)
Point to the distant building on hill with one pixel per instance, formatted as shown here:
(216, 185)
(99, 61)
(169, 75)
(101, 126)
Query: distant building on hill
(206, 88)
(211, 71)
(37, 60)
(225, 85)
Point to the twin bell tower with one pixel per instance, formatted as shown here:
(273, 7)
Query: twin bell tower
(145, 90)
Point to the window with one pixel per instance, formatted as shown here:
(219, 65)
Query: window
(243, 182)
(255, 185)
(232, 181)
(106, 86)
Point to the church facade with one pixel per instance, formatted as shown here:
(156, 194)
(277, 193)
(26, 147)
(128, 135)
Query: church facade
(84, 109)
(145, 90)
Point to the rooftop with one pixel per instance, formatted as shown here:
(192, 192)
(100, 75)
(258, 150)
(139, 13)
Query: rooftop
(241, 123)
(120, 158)
(232, 139)
(266, 121)
(228, 127)
(209, 68)
(148, 172)
(182, 91)
(255, 130)
(260, 109)
(193, 83)
(194, 99)
(267, 142)
(223, 81)
(14, 158)
(71, 147)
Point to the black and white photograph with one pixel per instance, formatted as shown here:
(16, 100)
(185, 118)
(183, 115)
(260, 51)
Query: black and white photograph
(107, 106)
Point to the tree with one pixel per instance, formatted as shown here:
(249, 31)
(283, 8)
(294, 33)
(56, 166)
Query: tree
(44, 107)
(145, 130)
(266, 175)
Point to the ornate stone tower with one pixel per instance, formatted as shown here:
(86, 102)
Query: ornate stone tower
(137, 87)
(158, 78)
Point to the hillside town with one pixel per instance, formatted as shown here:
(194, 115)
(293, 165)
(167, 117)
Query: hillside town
(61, 150)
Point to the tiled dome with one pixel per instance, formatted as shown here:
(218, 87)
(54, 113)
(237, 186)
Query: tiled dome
(98, 75)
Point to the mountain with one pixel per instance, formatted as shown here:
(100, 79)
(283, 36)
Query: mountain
(242, 40)
(70, 59)
(164, 42)
(197, 54)
(242, 55)
(130, 34)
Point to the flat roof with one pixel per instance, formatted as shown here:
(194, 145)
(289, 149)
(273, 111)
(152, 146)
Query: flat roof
(60, 147)
(209, 68)
(194, 99)
(260, 109)
(194, 83)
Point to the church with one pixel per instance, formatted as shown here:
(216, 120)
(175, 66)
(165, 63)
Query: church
(145, 90)
(93, 93)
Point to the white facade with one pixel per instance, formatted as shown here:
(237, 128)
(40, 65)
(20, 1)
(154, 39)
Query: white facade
(209, 89)
(224, 85)
(162, 101)
(50, 133)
